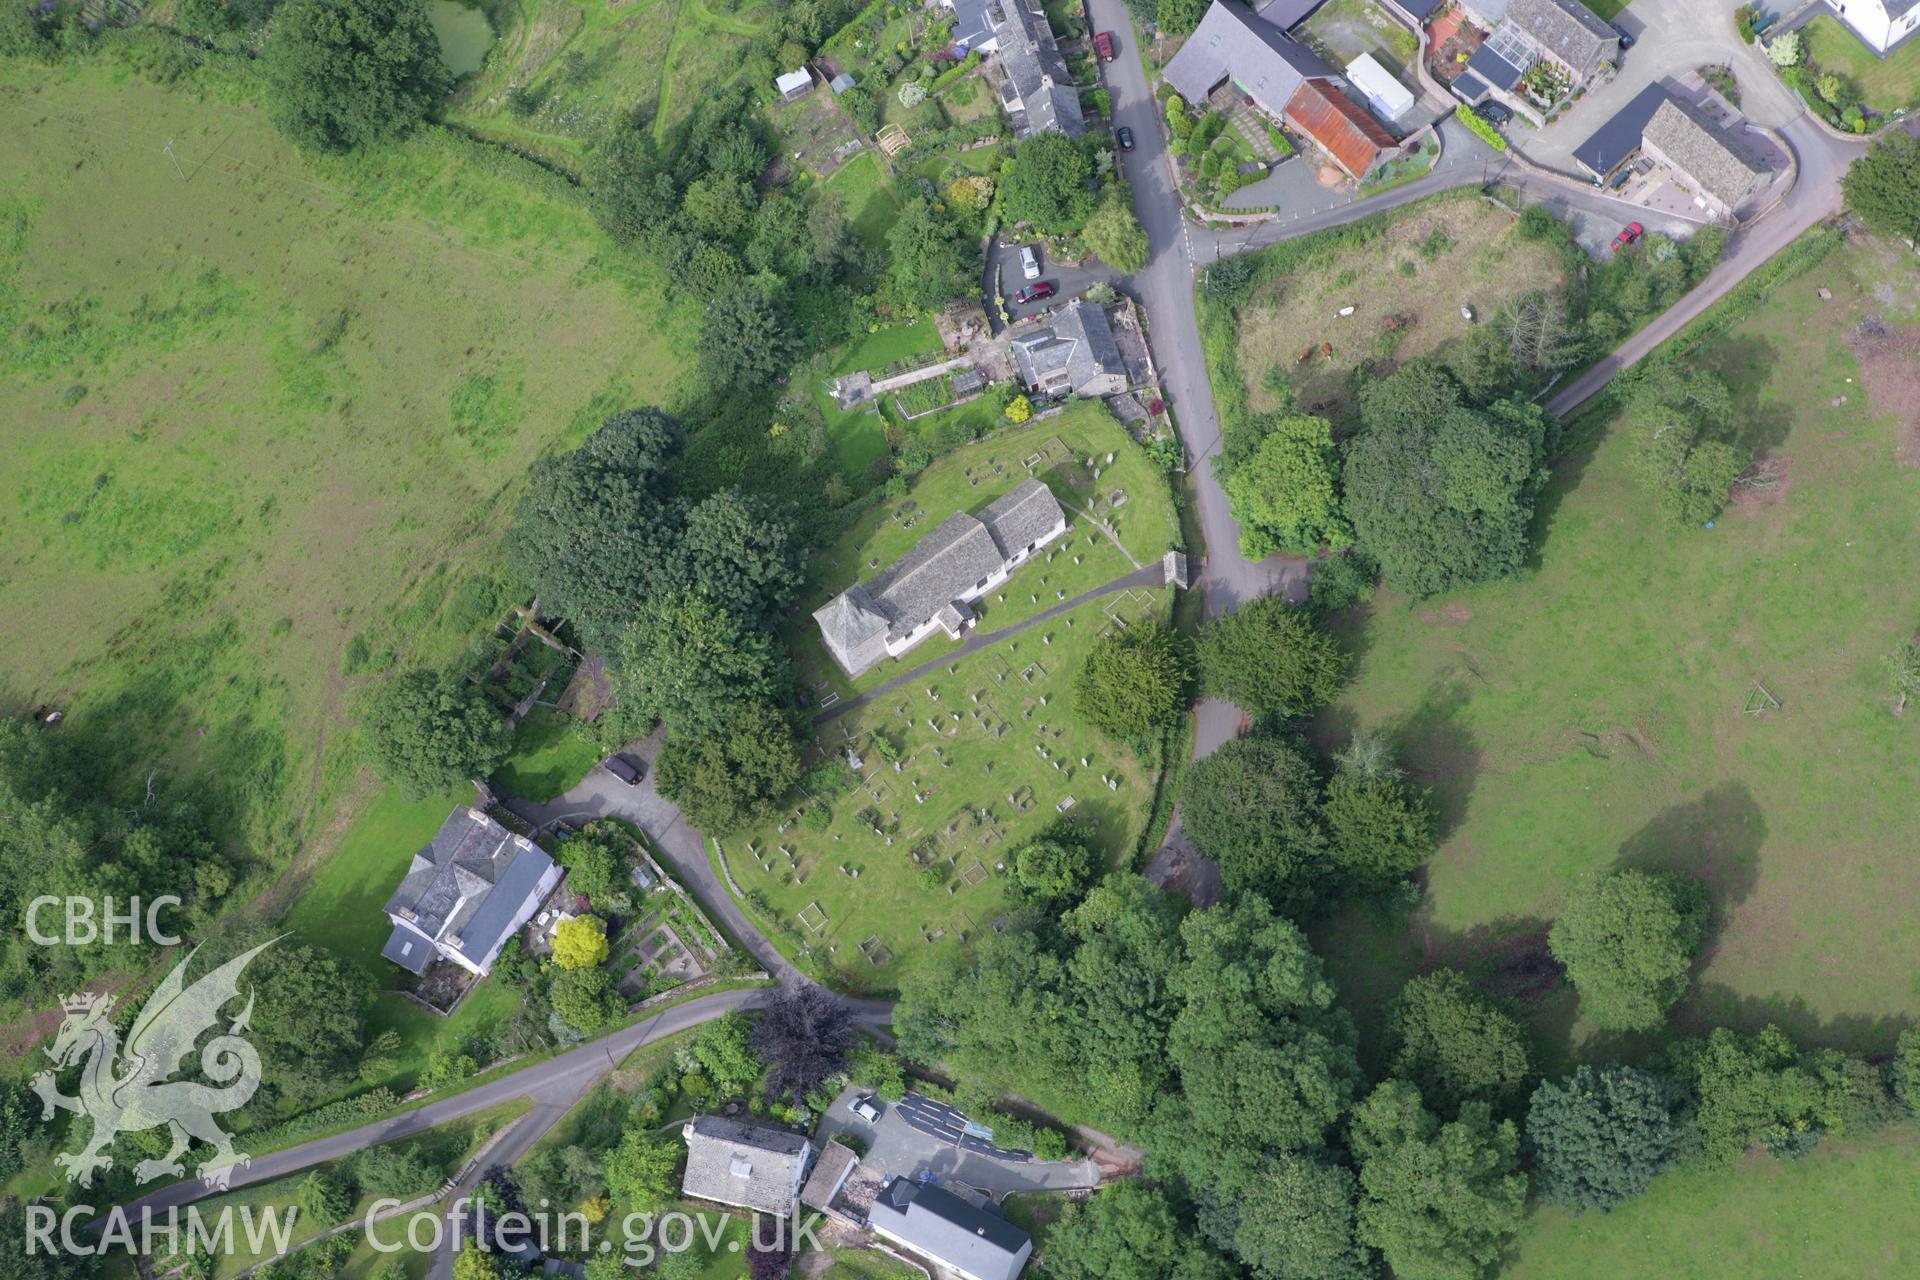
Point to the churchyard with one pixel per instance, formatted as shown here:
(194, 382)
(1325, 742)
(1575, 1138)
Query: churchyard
(898, 859)
(1119, 512)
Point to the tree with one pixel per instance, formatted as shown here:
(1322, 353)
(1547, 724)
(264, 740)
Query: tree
(597, 529)
(1115, 235)
(629, 186)
(805, 1035)
(1903, 672)
(1784, 50)
(1455, 1045)
(1439, 494)
(393, 1171)
(1270, 659)
(727, 780)
(309, 1015)
(1295, 1221)
(1742, 1090)
(723, 1047)
(1627, 941)
(345, 73)
(1053, 871)
(1253, 807)
(1178, 17)
(1599, 1137)
(586, 999)
(593, 867)
(428, 732)
(691, 663)
(1883, 186)
(1019, 409)
(640, 1170)
(745, 341)
(321, 1199)
(1129, 1231)
(928, 261)
(1286, 494)
(475, 1263)
(1379, 829)
(1438, 1200)
(1047, 184)
(742, 555)
(718, 206)
(1134, 682)
(580, 942)
(1674, 413)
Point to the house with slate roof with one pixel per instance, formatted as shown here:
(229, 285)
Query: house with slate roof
(1076, 353)
(969, 1237)
(749, 1166)
(1880, 24)
(932, 585)
(465, 894)
(1563, 32)
(1683, 138)
(1282, 77)
(1036, 91)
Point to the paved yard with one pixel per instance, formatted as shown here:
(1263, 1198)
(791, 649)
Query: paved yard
(1003, 274)
(1672, 37)
(894, 1146)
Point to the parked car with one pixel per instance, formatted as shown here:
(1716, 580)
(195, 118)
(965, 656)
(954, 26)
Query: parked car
(1497, 114)
(624, 769)
(1029, 263)
(867, 1107)
(1626, 36)
(1125, 135)
(1628, 234)
(1036, 292)
(1103, 45)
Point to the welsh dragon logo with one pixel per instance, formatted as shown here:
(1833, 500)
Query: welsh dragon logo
(131, 1091)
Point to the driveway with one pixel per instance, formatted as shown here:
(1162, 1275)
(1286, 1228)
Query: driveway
(1672, 37)
(1004, 274)
(896, 1147)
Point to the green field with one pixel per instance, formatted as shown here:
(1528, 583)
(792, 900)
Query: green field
(1841, 1213)
(1592, 714)
(564, 69)
(281, 404)
(1887, 84)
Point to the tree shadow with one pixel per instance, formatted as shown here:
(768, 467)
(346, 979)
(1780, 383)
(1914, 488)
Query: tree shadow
(1439, 752)
(1715, 1004)
(1716, 840)
(1758, 428)
(1567, 469)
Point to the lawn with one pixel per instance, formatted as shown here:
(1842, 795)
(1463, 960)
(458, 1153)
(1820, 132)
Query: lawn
(1887, 83)
(251, 416)
(1836, 1214)
(911, 862)
(866, 1264)
(859, 435)
(1592, 714)
(550, 754)
(872, 203)
(564, 69)
(341, 909)
(1438, 256)
(966, 480)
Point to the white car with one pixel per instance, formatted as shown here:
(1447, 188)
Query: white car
(866, 1108)
(1029, 263)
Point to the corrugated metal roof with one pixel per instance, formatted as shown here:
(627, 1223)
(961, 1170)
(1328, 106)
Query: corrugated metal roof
(1352, 137)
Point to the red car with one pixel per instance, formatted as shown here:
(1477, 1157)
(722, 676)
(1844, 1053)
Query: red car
(1628, 234)
(1036, 292)
(1103, 45)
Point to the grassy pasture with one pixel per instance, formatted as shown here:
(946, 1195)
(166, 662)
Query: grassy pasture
(273, 407)
(577, 65)
(1425, 266)
(1592, 714)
